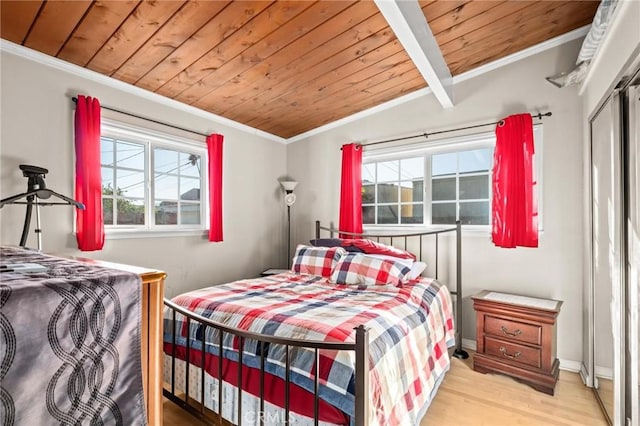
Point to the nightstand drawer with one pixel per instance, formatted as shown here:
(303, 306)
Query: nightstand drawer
(512, 352)
(513, 330)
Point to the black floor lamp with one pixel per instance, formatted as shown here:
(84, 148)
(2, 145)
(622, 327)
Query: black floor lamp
(289, 200)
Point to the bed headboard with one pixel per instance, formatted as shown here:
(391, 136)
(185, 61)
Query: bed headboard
(409, 241)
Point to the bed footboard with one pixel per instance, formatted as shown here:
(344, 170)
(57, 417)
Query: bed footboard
(196, 404)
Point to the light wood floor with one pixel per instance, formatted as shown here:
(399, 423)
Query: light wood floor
(469, 398)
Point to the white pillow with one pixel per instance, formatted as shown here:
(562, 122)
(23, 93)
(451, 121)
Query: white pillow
(406, 262)
(416, 269)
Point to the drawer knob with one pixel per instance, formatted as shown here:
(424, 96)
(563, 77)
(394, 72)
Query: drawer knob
(505, 353)
(508, 333)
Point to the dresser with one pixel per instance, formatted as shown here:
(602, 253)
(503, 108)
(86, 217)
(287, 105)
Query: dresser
(516, 336)
(152, 311)
(65, 317)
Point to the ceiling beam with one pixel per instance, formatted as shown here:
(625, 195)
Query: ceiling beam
(406, 19)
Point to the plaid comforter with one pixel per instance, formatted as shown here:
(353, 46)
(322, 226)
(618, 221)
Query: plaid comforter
(408, 327)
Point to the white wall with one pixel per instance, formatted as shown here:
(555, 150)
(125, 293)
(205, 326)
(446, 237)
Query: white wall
(37, 116)
(553, 270)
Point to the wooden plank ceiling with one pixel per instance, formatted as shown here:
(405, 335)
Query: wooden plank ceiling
(284, 67)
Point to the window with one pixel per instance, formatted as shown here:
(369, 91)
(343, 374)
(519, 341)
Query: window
(437, 183)
(151, 181)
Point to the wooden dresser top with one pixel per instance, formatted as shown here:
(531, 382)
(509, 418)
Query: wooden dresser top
(517, 300)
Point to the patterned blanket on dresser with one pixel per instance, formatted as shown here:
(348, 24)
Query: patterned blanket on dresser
(69, 343)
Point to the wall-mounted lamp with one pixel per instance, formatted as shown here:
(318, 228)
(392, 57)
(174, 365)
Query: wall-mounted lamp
(289, 200)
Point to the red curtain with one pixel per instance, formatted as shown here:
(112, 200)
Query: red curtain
(89, 222)
(514, 209)
(214, 149)
(351, 189)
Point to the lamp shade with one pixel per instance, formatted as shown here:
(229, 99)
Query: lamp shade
(289, 185)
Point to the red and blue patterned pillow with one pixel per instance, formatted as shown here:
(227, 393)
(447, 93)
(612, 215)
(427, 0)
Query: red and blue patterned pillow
(336, 242)
(357, 245)
(373, 247)
(319, 261)
(360, 269)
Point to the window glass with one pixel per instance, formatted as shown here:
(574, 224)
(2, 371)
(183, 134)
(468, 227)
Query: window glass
(189, 213)
(411, 213)
(443, 213)
(106, 152)
(166, 187)
(388, 214)
(369, 173)
(107, 181)
(107, 211)
(130, 155)
(411, 191)
(189, 189)
(129, 183)
(444, 164)
(412, 168)
(387, 193)
(474, 187)
(474, 213)
(166, 213)
(130, 212)
(475, 160)
(368, 194)
(444, 189)
(388, 171)
(165, 161)
(368, 215)
(189, 165)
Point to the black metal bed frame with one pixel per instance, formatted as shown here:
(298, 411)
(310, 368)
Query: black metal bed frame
(360, 346)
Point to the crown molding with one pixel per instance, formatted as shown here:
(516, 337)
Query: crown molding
(52, 62)
(483, 69)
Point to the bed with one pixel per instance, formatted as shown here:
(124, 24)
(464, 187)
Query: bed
(299, 348)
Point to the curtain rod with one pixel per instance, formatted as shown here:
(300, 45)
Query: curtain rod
(75, 101)
(426, 135)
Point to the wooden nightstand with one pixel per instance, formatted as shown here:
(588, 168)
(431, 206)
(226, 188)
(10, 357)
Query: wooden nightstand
(516, 336)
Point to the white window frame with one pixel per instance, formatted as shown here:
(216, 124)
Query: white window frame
(151, 139)
(448, 145)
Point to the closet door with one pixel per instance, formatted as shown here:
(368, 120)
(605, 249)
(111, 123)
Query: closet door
(633, 263)
(606, 205)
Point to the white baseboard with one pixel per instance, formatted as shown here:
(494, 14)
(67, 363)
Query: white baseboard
(469, 344)
(565, 364)
(570, 365)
